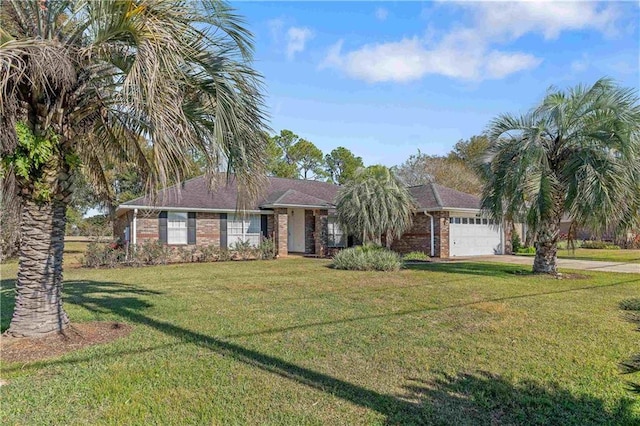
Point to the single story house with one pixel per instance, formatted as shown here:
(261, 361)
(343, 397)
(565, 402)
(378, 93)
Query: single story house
(300, 217)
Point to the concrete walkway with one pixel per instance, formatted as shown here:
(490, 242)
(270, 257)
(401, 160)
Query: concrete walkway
(581, 265)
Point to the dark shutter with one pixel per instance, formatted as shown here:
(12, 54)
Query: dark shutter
(162, 224)
(191, 228)
(263, 225)
(223, 230)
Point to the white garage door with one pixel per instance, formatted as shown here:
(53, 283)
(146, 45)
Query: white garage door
(473, 236)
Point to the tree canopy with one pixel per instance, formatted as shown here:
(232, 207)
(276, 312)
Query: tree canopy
(575, 155)
(375, 203)
(341, 165)
(92, 83)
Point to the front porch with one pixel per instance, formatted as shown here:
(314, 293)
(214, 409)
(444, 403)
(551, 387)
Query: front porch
(302, 231)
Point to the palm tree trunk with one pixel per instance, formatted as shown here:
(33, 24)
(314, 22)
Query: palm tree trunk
(547, 248)
(38, 310)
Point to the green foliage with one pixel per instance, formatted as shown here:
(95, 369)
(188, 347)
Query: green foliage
(277, 163)
(632, 304)
(28, 161)
(243, 250)
(341, 165)
(599, 245)
(367, 259)
(99, 255)
(375, 204)
(516, 243)
(575, 154)
(309, 159)
(415, 255)
(525, 250)
(267, 248)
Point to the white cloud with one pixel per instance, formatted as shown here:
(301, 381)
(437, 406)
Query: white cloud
(381, 13)
(470, 53)
(549, 18)
(297, 38)
(579, 65)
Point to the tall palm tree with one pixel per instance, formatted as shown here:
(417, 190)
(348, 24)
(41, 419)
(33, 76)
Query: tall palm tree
(373, 204)
(86, 83)
(576, 155)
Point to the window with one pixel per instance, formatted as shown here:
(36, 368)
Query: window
(242, 228)
(176, 228)
(465, 221)
(478, 221)
(485, 221)
(458, 220)
(336, 237)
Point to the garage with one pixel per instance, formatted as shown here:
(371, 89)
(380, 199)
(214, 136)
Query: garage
(473, 236)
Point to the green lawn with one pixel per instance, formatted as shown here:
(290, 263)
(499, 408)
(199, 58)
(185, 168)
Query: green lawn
(622, 256)
(292, 342)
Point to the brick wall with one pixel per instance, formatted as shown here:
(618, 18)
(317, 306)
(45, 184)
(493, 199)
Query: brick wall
(147, 226)
(270, 227)
(309, 230)
(208, 229)
(441, 232)
(281, 223)
(321, 234)
(120, 224)
(418, 238)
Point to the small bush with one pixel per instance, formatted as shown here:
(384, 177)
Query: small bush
(243, 250)
(151, 253)
(526, 250)
(415, 255)
(516, 243)
(267, 249)
(599, 245)
(103, 255)
(630, 304)
(367, 259)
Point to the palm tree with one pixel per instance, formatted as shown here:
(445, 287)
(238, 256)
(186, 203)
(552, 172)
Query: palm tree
(90, 83)
(576, 155)
(375, 203)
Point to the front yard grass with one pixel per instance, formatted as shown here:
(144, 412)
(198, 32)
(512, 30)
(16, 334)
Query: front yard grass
(605, 255)
(294, 342)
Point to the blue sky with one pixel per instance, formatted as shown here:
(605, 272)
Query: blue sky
(385, 79)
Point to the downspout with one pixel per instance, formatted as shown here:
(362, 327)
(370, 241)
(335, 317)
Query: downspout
(134, 233)
(431, 234)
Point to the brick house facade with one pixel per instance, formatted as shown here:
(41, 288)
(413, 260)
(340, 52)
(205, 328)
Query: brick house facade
(295, 214)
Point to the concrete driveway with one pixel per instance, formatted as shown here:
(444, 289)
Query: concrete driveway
(581, 265)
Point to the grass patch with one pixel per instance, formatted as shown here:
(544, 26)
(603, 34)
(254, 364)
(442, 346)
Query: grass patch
(293, 342)
(604, 255)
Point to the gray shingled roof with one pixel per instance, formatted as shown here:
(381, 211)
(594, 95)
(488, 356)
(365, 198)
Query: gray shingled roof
(195, 194)
(437, 197)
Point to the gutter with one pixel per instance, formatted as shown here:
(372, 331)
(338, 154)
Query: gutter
(187, 209)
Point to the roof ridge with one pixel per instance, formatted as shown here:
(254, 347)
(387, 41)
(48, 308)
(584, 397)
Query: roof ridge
(436, 194)
(283, 195)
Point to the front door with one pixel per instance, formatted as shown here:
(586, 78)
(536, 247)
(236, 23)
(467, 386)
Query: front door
(295, 230)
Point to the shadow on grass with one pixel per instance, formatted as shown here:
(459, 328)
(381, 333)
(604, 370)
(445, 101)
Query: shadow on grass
(464, 399)
(472, 268)
(483, 398)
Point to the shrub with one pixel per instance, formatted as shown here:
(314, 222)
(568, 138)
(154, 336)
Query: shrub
(243, 250)
(365, 258)
(415, 255)
(599, 245)
(630, 304)
(151, 253)
(267, 249)
(103, 255)
(516, 243)
(526, 250)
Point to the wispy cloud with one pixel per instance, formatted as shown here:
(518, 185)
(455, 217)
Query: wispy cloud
(381, 13)
(472, 52)
(297, 38)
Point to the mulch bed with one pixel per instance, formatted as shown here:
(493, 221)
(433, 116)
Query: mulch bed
(77, 336)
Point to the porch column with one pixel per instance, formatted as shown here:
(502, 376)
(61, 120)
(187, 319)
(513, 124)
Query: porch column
(281, 228)
(321, 232)
(441, 234)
